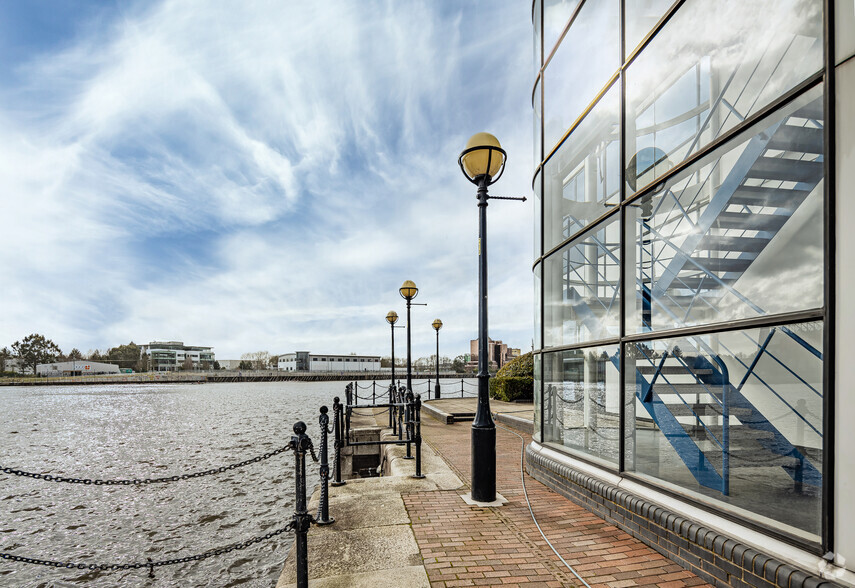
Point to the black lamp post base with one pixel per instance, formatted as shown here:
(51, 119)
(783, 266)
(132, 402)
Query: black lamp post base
(436, 391)
(484, 463)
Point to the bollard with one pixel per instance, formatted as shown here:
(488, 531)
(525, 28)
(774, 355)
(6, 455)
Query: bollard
(374, 392)
(302, 520)
(337, 426)
(348, 394)
(400, 414)
(461, 387)
(391, 420)
(409, 416)
(324, 506)
(417, 418)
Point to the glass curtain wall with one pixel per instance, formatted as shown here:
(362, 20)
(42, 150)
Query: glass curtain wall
(680, 259)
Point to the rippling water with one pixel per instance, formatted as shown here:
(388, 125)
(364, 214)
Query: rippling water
(140, 431)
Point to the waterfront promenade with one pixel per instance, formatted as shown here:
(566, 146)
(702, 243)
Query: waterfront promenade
(397, 531)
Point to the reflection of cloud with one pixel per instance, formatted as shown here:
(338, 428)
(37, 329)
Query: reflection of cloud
(264, 176)
(771, 45)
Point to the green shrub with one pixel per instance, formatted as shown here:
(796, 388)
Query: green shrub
(521, 367)
(509, 389)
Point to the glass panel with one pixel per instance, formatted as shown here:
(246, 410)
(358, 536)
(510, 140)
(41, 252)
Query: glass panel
(844, 30)
(583, 177)
(735, 417)
(576, 72)
(538, 396)
(538, 125)
(582, 401)
(556, 13)
(713, 65)
(538, 214)
(737, 235)
(641, 17)
(538, 34)
(582, 288)
(538, 342)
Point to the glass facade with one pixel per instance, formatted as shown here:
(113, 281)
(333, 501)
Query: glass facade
(680, 257)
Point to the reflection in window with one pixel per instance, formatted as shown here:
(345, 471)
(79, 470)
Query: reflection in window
(641, 17)
(537, 288)
(538, 396)
(537, 138)
(583, 177)
(556, 13)
(535, 16)
(582, 284)
(581, 401)
(737, 235)
(713, 65)
(736, 416)
(576, 73)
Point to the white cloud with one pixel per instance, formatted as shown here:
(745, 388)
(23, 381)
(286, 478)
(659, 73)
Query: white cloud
(264, 176)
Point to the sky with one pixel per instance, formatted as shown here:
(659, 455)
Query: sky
(261, 175)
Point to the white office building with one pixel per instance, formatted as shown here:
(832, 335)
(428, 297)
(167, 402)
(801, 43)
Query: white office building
(304, 361)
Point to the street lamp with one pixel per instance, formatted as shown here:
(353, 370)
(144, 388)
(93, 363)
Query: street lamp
(437, 325)
(392, 318)
(483, 162)
(409, 291)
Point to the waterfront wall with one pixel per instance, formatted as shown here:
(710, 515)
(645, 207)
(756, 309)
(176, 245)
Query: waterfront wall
(211, 377)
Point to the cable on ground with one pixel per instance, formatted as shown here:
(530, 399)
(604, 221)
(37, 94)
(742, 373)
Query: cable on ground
(530, 510)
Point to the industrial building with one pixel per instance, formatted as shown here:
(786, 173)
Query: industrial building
(304, 361)
(80, 367)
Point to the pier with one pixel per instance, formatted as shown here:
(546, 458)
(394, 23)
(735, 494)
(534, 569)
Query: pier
(396, 530)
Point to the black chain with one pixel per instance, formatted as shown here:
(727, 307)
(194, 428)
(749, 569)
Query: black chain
(144, 481)
(150, 564)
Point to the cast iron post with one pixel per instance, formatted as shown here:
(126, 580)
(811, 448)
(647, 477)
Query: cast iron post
(337, 425)
(408, 415)
(418, 434)
(302, 519)
(324, 506)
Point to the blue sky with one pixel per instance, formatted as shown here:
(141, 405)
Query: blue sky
(260, 175)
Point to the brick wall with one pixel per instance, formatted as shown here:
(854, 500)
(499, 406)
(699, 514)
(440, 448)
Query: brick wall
(716, 558)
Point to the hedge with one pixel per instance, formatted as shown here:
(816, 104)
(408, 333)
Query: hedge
(512, 388)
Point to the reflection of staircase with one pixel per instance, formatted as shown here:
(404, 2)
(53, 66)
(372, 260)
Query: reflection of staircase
(710, 424)
(773, 175)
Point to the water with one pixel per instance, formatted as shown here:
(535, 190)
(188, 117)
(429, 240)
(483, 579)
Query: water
(141, 431)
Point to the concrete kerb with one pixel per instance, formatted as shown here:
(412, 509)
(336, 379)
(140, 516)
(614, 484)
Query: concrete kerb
(371, 542)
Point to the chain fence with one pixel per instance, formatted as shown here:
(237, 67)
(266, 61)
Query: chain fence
(144, 481)
(149, 563)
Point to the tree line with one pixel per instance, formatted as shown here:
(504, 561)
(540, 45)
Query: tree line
(36, 349)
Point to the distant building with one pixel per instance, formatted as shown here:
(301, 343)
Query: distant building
(14, 364)
(304, 361)
(80, 367)
(230, 364)
(498, 352)
(169, 356)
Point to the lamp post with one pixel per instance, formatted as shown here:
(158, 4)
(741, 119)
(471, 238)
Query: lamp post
(409, 291)
(392, 318)
(437, 325)
(483, 162)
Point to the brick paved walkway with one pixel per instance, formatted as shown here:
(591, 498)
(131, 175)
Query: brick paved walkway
(469, 546)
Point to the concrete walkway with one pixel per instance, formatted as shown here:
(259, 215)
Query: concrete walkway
(397, 531)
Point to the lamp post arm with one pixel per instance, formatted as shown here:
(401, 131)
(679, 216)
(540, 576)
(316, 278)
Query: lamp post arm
(521, 198)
